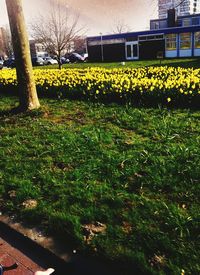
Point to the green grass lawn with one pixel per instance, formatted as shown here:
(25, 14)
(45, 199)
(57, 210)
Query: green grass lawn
(181, 62)
(131, 172)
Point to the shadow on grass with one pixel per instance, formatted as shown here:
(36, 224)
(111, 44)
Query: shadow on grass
(19, 112)
(76, 265)
(10, 112)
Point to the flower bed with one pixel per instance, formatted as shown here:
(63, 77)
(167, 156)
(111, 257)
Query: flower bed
(147, 85)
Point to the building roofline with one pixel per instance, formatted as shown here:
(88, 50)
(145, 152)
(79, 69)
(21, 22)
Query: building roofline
(178, 17)
(157, 31)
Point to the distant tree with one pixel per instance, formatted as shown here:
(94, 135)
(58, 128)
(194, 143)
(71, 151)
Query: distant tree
(8, 42)
(2, 42)
(57, 29)
(80, 44)
(120, 26)
(26, 84)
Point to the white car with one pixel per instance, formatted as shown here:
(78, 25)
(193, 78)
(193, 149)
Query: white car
(49, 61)
(85, 56)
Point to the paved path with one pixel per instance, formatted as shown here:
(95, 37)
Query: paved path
(30, 257)
(15, 247)
(10, 255)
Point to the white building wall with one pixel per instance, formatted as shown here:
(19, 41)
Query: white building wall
(171, 54)
(185, 53)
(196, 52)
(186, 8)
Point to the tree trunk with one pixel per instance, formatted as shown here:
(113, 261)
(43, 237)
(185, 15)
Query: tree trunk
(59, 65)
(27, 91)
(59, 60)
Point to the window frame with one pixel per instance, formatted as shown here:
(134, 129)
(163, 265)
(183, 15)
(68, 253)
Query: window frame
(183, 42)
(197, 40)
(186, 22)
(171, 39)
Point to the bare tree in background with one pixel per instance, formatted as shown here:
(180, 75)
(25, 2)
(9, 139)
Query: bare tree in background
(56, 30)
(27, 91)
(6, 49)
(8, 42)
(119, 26)
(80, 44)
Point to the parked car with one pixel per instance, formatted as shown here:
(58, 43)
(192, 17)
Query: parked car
(64, 60)
(1, 64)
(9, 63)
(85, 56)
(49, 61)
(37, 61)
(75, 57)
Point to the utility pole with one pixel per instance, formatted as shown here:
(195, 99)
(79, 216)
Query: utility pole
(27, 90)
(102, 54)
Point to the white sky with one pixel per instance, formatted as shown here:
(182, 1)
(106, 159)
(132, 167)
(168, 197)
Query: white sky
(96, 15)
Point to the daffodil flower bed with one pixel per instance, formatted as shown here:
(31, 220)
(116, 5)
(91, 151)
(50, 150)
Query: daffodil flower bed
(146, 85)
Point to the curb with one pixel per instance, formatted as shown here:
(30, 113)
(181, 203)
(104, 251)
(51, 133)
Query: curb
(20, 238)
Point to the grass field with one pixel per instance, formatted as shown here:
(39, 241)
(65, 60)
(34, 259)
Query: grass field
(184, 63)
(123, 182)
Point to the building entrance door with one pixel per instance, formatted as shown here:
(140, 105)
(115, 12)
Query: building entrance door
(132, 50)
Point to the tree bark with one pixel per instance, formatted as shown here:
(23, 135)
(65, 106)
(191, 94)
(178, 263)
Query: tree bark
(59, 60)
(27, 90)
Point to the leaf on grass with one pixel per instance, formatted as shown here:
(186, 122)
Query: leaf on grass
(30, 204)
(12, 193)
(92, 229)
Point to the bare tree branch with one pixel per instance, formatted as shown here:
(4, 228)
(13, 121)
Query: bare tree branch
(6, 48)
(56, 30)
(119, 26)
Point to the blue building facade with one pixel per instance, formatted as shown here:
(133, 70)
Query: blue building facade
(172, 37)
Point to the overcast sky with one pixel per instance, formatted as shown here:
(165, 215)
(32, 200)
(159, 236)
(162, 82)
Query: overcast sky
(96, 15)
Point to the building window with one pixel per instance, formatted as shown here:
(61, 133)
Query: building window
(195, 21)
(132, 38)
(197, 39)
(186, 22)
(150, 37)
(156, 25)
(185, 41)
(179, 22)
(171, 41)
(163, 24)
